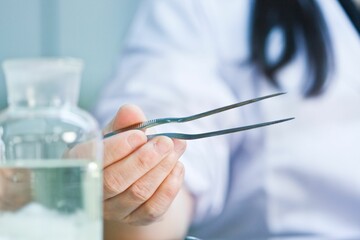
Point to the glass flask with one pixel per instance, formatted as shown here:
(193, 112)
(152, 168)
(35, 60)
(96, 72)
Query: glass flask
(50, 155)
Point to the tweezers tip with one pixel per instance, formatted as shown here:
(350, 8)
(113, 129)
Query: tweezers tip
(271, 95)
(287, 119)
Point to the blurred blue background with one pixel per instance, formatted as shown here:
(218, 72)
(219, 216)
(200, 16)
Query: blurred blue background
(91, 30)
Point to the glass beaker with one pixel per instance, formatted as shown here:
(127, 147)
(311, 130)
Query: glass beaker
(50, 155)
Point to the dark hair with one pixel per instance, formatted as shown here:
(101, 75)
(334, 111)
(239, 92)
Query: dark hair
(295, 18)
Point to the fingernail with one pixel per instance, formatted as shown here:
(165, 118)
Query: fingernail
(135, 140)
(162, 145)
(179, 145)
(179, 169)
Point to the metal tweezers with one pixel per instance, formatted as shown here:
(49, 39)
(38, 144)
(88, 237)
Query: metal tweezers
(160, 121)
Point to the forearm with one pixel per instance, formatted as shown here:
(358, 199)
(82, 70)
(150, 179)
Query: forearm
(173, 225)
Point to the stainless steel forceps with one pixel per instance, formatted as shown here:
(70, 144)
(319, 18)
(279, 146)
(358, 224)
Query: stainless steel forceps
(160, 121)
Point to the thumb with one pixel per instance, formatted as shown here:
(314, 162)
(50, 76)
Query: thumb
(127, 115)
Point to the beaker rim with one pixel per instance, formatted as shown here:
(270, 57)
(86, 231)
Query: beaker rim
(38, 61)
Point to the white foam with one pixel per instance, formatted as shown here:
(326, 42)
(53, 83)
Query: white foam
(35, 222)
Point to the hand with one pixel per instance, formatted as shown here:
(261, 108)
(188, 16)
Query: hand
(15, 189)
(141, 179)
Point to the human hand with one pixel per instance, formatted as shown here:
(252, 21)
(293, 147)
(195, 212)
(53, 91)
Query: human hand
(141, 178)
(15, 189)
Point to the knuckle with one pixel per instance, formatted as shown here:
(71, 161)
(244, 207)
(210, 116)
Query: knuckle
(171, 189)
(166, 166)
(146, 159)
(114, 210)
(133, 221)
(140, 192)
(108, 156)
(149, 214)
(152, 214)
(111, 149)
(170, 192)
(112, 183)
(108, 151)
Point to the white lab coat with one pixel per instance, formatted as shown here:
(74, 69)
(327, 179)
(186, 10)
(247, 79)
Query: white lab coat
(299, 178)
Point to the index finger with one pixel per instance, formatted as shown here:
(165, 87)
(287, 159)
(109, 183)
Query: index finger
(121, 145)
(127, 115)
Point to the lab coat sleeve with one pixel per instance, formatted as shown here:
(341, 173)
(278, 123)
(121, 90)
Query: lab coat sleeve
(169, 68)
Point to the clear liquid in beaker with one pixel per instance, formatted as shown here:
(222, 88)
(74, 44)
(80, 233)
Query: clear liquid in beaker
(52, 199)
